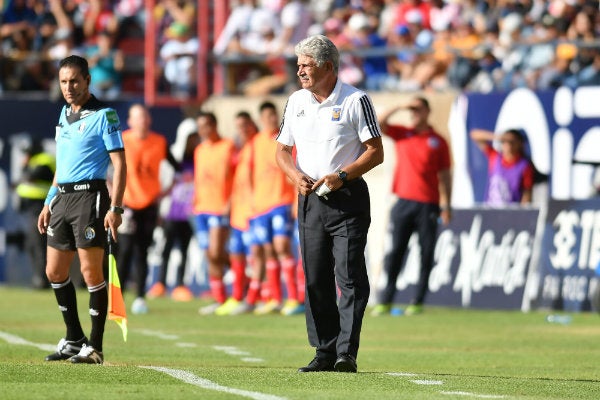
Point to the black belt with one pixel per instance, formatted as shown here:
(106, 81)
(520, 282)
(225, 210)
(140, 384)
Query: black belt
(83, 186)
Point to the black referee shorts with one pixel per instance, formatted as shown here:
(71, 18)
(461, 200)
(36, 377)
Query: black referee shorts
(77, 220)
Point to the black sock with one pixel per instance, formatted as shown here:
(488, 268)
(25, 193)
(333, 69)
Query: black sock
(98, 312)
(67, 304)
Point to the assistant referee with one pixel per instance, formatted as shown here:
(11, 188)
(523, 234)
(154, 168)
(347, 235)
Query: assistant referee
(78, 208)
(335, 131)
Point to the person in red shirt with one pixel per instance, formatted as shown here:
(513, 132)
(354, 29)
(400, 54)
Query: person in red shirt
(421, 175)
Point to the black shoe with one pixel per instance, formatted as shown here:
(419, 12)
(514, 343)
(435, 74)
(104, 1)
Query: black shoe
(318, 365)
(345, 363)
(88, 355)
(66, 349)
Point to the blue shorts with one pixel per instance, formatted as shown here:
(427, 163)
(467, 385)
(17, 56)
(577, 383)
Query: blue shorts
(206, 222)
(277, 222)
(240, 241)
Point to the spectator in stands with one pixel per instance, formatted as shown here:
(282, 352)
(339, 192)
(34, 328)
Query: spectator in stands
(463, 66)
(387, 18)
(176, 221)
(296, 19)
(443, 14)
(588, 76)
(558, 72)
(131, 15)
(106, 63)
(167, 12)
(541, 53)
(17, 28)
(99, 17)
(179, 57)
(414, 76)
(408, 7)
(247, 29)
(374, 67)
(510, 172)
(350, 71)
(45, 25)
(404, 61)
(582, 30)
(428, 69)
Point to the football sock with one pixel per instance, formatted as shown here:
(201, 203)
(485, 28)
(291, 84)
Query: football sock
(274, 279)
(67, 304)
(217, 289)
(98, 311)
(238, 268)
(288, 266)
(253, 292)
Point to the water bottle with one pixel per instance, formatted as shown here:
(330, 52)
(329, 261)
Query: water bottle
(396, 311)
(559, 319)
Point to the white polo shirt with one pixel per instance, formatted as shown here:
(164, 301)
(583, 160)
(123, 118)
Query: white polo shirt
(328, 135)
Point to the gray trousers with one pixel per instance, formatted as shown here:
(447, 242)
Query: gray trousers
(333, 236)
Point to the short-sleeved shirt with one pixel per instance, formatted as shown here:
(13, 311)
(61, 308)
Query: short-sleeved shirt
(420, 156)
(143, 157)
(214, 166)
(328, 135)
(271, 186)
(84, 141)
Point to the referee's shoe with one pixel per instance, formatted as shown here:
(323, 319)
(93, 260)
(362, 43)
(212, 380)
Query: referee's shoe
(88, 355)
(66, 349)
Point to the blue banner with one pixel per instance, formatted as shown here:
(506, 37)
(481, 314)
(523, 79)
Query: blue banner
(562, 129)
(482, 260)
(571, 254)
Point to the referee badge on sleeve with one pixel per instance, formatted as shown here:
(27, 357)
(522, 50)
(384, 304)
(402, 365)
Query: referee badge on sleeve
(336, 114)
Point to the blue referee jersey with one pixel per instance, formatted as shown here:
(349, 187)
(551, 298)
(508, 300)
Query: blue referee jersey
(84, 141)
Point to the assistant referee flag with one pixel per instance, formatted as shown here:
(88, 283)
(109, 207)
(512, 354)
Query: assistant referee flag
(116, 304)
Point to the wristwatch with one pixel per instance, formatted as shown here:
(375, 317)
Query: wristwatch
(342, 175)
(116, 209)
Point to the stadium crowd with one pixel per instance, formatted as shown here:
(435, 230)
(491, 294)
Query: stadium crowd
(473, 45)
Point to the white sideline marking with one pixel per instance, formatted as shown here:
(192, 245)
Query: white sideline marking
(481, 396)
(427, 382)
(234, 351)
(182, 344)
(252, 359)
(231, 350)
(158, 334)
(400, 374)
(192, 379)
(12, 339)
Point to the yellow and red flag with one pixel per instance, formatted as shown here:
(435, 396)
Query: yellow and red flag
(116, 304)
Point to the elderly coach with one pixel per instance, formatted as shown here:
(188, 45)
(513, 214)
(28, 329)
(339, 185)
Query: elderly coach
(337, 138)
